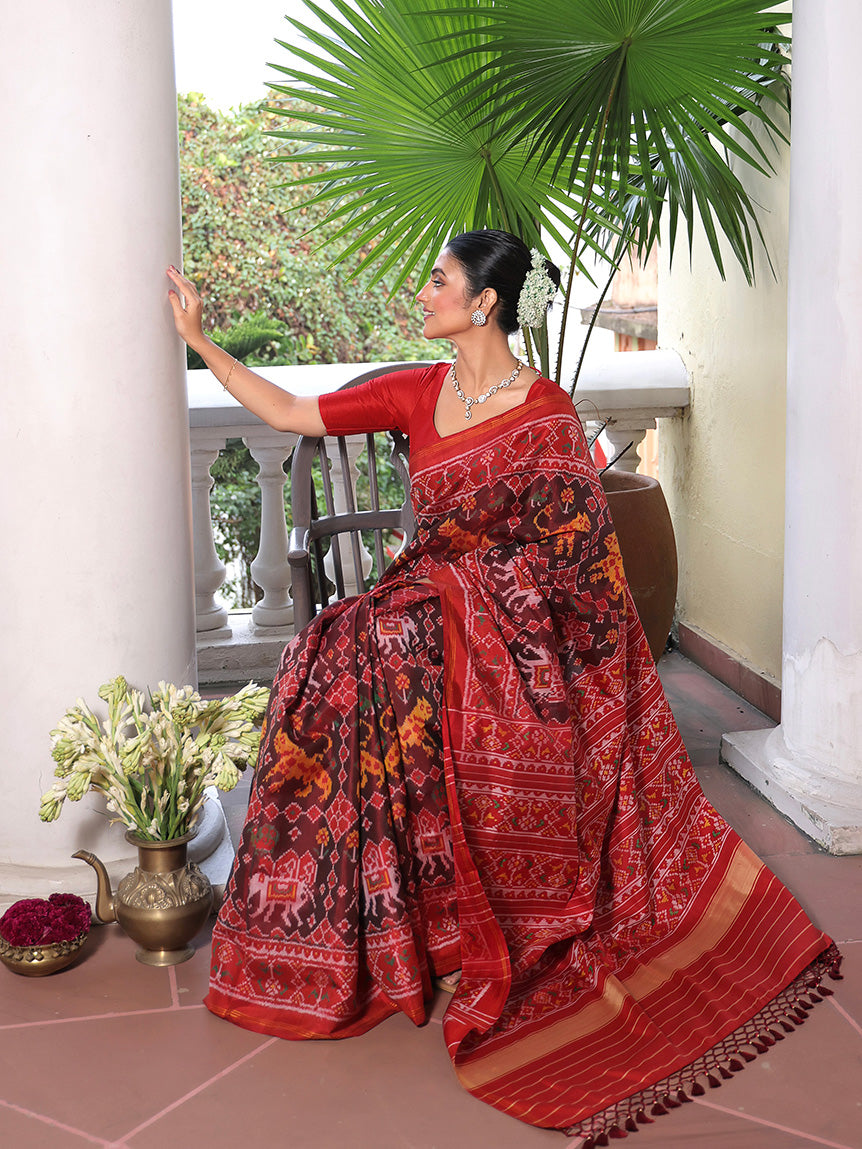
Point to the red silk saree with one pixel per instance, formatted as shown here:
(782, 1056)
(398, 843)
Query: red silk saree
(473, 764)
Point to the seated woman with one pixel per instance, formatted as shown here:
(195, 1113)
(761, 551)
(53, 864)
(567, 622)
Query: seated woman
(473, 766)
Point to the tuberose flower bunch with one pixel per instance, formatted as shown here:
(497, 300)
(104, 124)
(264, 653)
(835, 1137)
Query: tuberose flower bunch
(536, 294)
(153, 758)
(39, 922)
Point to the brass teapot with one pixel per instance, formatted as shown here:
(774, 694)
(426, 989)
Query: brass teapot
(161, 904)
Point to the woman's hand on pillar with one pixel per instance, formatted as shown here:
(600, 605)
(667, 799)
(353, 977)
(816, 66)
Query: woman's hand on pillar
(188, 316)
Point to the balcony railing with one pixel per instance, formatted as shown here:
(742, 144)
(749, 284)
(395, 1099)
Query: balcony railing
(629, 390)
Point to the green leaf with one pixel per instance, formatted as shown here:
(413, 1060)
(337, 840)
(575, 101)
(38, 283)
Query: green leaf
(417, 161)
(654, 93)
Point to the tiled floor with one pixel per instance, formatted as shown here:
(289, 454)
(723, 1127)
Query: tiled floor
(113, 1053)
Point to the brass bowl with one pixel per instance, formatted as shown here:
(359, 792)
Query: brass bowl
(38, 961)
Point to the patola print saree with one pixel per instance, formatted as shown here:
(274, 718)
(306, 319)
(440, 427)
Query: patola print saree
(474, 765)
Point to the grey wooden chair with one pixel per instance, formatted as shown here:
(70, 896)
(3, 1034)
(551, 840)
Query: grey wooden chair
(314, 525)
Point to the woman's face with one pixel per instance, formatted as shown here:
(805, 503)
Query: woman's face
(446, 305)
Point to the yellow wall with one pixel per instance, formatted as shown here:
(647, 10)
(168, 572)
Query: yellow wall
(722, 467)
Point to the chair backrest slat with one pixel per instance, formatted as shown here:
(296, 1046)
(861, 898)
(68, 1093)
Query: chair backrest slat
(311, 529)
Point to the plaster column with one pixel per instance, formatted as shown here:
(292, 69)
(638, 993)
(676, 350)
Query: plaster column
(810, 767)
(95, 503)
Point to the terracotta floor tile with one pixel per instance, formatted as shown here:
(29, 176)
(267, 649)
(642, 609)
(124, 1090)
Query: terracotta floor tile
(829, 888)
(848, 991)
(25, 1131)
(108, 1075)
(760, 825)
(392, 1088)
(709, 1126)
(105, 979)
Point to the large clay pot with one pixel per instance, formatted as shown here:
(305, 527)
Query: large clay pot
(648, 550)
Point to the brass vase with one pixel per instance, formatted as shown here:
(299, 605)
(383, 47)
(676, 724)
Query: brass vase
(161, 904)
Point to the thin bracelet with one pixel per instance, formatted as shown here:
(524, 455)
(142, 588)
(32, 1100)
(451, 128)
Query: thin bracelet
(230, 373)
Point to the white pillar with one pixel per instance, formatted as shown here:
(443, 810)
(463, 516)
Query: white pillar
(95, 506)
(811, 765)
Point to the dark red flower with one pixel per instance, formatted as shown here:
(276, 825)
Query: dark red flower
(36, 921)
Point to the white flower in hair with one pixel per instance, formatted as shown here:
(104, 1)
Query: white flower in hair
(538, 291)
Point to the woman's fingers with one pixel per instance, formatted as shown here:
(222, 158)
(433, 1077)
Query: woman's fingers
(185, 285)
(187, 316)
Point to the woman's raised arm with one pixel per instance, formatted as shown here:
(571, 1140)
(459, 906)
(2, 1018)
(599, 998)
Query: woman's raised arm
(281, 410)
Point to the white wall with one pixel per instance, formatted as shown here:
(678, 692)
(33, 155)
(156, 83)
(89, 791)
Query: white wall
(722, 467)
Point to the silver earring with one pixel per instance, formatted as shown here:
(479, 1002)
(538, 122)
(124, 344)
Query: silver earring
(478, 318)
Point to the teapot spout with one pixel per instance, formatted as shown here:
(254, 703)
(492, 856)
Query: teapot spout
(105, 910)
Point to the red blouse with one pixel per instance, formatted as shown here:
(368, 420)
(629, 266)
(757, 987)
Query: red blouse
(405, 400)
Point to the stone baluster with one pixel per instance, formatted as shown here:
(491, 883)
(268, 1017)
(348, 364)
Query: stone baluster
(270, 569)
(621, 433)
(209, 570)
(355, 446)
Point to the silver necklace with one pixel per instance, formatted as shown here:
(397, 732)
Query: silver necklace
(469, 401)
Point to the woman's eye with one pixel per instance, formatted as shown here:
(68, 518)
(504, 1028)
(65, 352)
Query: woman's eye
(437, 282)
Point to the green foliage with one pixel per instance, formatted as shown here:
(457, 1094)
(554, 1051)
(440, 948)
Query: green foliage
(235, 507)
(432, 116)
(407, 157)
(271, 297)
(246, 244)
(244, 338)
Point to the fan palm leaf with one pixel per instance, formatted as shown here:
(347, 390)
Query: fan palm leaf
(659, 96)
(675, 87)
(405, 160)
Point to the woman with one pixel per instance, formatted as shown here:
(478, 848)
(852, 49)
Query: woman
(472, 766)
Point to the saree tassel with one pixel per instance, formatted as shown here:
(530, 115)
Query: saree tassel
(784, 1013)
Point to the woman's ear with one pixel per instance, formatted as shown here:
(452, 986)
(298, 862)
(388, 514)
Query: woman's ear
(487, 300)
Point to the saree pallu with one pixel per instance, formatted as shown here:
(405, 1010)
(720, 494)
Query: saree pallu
(473, 764)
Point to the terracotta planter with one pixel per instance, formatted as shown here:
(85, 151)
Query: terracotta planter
(648, 550)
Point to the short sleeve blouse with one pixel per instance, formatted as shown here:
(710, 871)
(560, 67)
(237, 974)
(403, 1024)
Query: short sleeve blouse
(402, 400)
(405, 400)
